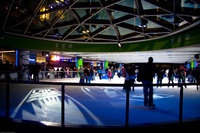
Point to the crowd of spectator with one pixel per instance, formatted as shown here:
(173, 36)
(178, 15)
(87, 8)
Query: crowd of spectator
(29, 72)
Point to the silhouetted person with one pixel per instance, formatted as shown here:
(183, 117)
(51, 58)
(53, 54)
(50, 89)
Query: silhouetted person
(171, 76)
(7, 70)
(127, 79)
(1, 67)
(86, 74)
(146, 75)
(100, 71)
(36, 70)
(197, 76)
(19, 72)
(132, 76)
(160, 74)
(181, 75)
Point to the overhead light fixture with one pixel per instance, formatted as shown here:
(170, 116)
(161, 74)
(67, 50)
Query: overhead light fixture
(142, 25)
(119, 44)
(7, 51)
(47, 54)
(87, 31)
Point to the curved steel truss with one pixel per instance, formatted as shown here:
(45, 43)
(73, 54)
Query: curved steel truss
(97, 20)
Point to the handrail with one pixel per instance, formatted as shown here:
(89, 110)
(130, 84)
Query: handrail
(39, 71)
(91, 84)
(26, 74)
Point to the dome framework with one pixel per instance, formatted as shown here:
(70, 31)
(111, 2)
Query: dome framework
(92, 21)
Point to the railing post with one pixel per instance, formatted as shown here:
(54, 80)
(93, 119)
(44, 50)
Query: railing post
(7, 100)
(63, 106)
(127, 105)
(181, 105)
(43, 74)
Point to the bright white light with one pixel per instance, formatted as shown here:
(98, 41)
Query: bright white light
(55, 58)
(119, 44)
(142, 25)
(8, 51)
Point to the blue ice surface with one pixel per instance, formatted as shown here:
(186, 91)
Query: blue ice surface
(103, 105)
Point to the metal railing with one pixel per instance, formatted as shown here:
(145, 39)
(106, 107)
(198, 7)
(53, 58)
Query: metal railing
(28, 75)
(92, 84)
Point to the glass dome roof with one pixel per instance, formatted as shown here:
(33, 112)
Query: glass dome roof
(104, 21)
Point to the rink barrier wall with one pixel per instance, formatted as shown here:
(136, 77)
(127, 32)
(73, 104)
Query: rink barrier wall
(43, 75)
(92, 84)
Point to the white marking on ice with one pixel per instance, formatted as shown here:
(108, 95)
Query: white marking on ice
(96, 119)
(22, 102)
(88, 94)
(87, 89)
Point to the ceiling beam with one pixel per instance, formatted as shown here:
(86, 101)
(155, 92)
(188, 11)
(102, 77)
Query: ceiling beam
(157, 31)
(51, 11)
(174, 8)
(140, 12)
(124, 9)
(98, 31)
(133, 38)
(39, 31)
(54, 21)
(196, 1)
(167, 6)
(161, 22)
(110, 7)
(188, 12)
(99, 21)
(65, 24)
(130, 27)
(18, 23)
(78, 18)
(86, 5)
(187, 19)
(108, 3)
(9, 9)
(122, 19)
(154, 12)
(45, 26)
(69, 31)
(75, 37)
(106, 37)
(128, 36)
(34, 15)
(89, 15)
(111, 19)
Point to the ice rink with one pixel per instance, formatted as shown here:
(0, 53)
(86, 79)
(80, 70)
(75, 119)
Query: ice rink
(97, 105)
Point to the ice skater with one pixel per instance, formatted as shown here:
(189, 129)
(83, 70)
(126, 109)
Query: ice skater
(109, 74)
(146, 75)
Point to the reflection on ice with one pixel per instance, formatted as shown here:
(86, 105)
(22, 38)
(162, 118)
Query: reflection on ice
(44, 104)
(101, 105)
